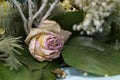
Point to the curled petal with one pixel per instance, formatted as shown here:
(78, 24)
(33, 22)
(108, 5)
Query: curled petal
(32, 46)
(50, 25)
(65, 35)
(39, 58)
(33, 33)
(35, 51)
(52, 56)
(38, 50)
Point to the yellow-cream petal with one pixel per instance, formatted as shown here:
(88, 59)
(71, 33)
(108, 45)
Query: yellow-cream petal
(32, 46)
(34, 32)
(50, 25)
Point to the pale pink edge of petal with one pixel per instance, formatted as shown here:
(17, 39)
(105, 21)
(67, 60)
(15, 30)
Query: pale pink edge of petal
(31, 49)
(32, 45)
(33, 33)
(48, 53)
(53, 56)
(65, 35)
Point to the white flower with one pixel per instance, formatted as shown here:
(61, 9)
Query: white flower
(96, 11)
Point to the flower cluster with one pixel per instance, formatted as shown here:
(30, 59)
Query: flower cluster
(96, 11)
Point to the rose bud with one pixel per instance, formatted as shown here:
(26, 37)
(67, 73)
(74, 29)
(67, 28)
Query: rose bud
(46, 42)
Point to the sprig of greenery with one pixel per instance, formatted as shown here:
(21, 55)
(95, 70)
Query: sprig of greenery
(11, 20)
(9, 52)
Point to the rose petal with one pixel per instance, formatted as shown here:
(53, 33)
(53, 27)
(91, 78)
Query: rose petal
(33, 33)
(50, 25)
(32, 50)
(65, 35)
(52, 56)
(38, 50)
(55, 55)
(44, 51)
(32, 46)
(39, 58)
(48, 52)
(41, 39)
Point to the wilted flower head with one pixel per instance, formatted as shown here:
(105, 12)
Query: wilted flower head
(46, 42)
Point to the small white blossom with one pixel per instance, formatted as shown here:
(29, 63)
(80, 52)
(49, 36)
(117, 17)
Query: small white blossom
(74, 27)
(79, 27)
(96, 11)
(93, 4)
(97, 23)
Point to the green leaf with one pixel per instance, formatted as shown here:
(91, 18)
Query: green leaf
(40, 70)
(21, 74)
(25, 74)
(115, 36)
(29, 61)
(34, 71)
(68, 19)
(13, 19)
(89, 55)
(45, 73)
(37, 74)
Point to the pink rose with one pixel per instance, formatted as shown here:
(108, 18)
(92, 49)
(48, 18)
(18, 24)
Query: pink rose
(46, 42)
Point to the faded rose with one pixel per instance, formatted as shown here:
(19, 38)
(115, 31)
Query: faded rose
(46, 42)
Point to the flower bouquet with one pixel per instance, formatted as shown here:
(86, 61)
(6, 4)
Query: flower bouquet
(41, 39)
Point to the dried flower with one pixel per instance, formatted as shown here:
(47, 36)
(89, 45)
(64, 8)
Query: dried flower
(46, 42)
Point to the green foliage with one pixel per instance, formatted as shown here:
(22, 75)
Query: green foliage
(87, 52)
(25, 74)
(12, 55)
(68, 19)
(116, 45)
(92, 56)
(31, 69)
(13, 23)
(29, 61)
(8, 52)
(21, 74)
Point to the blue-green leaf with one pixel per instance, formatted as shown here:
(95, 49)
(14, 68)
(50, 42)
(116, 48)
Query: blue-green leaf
(29, 61)
(22, 74)
(68, 19)
(92, 56)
